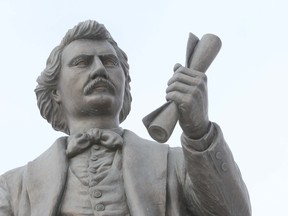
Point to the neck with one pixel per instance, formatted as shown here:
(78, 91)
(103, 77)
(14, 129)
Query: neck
(82, 125)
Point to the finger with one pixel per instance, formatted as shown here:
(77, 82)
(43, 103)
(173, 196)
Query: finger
(178, 97)
(183, 78)
(178, 68)
(181, 87)
(189, 72)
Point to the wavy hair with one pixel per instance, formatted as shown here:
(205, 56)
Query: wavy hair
(48, 79)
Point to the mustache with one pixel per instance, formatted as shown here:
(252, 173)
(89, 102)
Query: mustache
(100, 81)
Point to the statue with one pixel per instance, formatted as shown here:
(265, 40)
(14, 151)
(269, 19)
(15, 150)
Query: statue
(102, 169)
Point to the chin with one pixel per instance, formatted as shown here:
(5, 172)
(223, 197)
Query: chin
(100, 100)
(102, 104)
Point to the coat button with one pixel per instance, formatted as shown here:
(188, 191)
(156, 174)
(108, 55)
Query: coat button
(97, 194)
(218, 155)
(100, 207)
(94, 157)
(92, 169)
(224, 167)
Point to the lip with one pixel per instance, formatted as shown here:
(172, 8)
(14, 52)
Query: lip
(100, 87)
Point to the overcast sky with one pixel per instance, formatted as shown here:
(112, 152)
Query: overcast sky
(247, 80)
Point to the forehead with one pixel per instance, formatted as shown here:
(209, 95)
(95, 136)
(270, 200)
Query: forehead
(87, 47)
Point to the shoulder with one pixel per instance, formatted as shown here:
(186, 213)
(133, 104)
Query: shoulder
(11, 184)
(14, 177)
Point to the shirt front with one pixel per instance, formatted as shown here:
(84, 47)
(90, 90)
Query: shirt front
(95, 184)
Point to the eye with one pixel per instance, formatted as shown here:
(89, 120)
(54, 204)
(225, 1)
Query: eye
(81, 61)
(109, 61)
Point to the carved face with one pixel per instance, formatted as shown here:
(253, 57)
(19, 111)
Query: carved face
(91, 80)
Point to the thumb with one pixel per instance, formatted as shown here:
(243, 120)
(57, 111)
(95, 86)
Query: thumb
(176, 66)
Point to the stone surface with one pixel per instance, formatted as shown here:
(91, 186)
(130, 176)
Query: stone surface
(101, 169)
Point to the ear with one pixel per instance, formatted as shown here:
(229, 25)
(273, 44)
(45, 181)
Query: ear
(56, 95)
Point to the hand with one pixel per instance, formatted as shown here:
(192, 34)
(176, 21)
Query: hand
(188, 89)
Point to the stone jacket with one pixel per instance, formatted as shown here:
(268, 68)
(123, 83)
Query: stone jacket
(158, 181)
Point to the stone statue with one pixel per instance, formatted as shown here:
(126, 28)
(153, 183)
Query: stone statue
(102, 169)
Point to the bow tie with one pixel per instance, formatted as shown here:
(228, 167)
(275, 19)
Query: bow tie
(80, 142)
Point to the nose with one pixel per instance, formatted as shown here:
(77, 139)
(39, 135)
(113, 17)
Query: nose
(98, 69)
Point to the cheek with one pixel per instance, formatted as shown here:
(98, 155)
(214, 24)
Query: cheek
(119, 80)
(122, 81)
(73, 84)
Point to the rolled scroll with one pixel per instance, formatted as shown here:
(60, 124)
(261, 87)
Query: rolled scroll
(199, 55)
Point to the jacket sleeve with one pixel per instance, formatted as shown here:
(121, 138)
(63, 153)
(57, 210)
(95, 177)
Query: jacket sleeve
(5, 207)
(213, 185)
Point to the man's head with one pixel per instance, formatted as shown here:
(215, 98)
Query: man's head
(50, 109)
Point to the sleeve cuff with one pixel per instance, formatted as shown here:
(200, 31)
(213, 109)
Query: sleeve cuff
(200, 144)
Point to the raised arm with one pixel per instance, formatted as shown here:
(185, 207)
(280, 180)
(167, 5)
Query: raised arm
(216, 185)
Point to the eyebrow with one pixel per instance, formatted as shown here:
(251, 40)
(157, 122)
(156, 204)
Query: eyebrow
(87, 56)
(111, 55)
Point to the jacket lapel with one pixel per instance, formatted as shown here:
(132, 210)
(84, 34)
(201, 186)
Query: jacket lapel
(46, 178)
(144, 173)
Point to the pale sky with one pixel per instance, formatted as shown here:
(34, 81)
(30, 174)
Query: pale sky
(247, 80)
